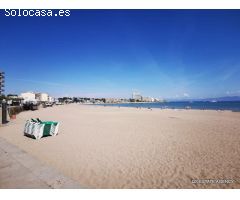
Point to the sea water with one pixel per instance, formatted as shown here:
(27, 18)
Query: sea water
(200, 105)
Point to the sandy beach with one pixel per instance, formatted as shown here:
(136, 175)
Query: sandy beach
(111, 147)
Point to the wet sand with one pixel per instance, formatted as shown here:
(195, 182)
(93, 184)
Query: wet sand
(111, 147)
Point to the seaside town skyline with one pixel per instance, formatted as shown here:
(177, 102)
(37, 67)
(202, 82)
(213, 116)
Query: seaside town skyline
(162, 54)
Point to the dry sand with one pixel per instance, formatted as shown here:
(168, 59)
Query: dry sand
(111, 147)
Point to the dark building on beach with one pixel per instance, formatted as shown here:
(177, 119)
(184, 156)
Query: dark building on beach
(2, 81)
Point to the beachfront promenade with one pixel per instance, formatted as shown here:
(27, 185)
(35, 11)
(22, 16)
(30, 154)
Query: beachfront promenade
(20, 170)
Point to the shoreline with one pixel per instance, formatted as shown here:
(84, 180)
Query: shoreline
(169, 108)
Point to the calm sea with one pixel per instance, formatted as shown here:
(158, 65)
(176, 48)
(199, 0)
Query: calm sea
(201, 105)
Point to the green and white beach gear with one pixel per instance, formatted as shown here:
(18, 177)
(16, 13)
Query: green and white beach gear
(37, 129)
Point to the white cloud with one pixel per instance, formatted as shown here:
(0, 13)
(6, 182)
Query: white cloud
(230, 72)
(185, 94)
(233, 92)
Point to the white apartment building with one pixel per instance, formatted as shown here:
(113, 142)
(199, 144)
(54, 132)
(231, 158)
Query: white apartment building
(42, 97)
(50, 99)
(28, 96)
(137, 96)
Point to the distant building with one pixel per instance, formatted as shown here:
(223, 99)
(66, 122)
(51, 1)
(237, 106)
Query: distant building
(51, 99)
(12, 96)
(159, 100)
(112, 100)
(14, 100)
(137, 96)
(42, 97)
(147, 99)
(65, 100)
(28, 96)
(2, 81)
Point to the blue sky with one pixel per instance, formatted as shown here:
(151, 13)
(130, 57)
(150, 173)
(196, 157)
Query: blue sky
(99, 53)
